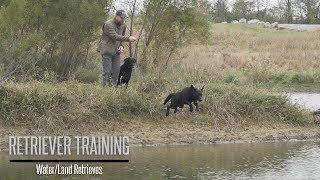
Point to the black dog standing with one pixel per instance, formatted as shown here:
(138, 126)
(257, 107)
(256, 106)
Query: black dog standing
(126, 71)
(187, 96)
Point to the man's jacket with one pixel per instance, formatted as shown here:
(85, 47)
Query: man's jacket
(112, 37)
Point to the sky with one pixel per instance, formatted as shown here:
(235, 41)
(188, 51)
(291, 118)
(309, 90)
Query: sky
(267, 3)
(121, 4)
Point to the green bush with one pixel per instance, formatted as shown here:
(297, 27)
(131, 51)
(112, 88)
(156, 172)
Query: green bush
(53, 35)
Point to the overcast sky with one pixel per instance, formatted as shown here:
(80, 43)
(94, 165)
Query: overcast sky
(267, 3)
(121, 4)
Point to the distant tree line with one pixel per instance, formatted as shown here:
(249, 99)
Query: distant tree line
(286, 11)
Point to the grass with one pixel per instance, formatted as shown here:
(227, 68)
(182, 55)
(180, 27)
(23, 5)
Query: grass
(68, 105)
(241, 66)
(257, 56)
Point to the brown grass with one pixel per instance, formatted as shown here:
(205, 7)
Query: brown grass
(239, 46)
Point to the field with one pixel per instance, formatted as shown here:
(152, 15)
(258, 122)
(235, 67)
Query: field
(245, 70)
(240, 54)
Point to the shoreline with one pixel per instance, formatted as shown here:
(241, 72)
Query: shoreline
(307, 139)
(174, 132)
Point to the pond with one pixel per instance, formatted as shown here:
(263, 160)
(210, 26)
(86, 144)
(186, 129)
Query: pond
(309, 101)
(281, 160)
(285, 160)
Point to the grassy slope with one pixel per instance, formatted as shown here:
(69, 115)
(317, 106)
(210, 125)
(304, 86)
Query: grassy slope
(229, 113)
(69, 105)
(278, 59)
(241, 67)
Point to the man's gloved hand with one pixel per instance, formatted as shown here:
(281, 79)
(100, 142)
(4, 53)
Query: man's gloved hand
(121, 49)
(132, 39)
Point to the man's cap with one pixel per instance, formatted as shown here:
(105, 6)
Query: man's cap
(121, 13)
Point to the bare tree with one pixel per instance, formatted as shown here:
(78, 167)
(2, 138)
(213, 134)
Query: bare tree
(133, 10)
(259, 4)
(289, 12)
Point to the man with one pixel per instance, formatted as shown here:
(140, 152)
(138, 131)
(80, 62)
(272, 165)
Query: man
(110, 47)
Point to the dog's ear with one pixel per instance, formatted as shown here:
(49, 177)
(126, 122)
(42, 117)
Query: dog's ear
(203, 87)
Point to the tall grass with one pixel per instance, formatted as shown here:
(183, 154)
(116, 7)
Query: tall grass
(257, 55)
(71, 104)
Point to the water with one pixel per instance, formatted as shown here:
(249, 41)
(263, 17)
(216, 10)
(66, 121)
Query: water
(301, 27)
(287, 160)
(309, 101)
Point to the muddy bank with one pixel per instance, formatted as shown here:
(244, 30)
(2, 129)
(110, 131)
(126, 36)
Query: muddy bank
(176, 132)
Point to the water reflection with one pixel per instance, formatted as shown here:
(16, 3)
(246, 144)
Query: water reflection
(290, 160)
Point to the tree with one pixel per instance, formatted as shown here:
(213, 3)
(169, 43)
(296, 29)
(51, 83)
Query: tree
(242, 9)
(133, 11)
(4, 2)
(276, 13)
(166, 25)
(259, 6)
(311, 10)
(42, 35)
(221, 12)
(289, 11)
(206, 8)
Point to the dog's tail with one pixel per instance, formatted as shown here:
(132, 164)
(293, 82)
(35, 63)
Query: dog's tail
(168, 98)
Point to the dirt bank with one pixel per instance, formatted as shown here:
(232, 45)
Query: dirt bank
(176, 132)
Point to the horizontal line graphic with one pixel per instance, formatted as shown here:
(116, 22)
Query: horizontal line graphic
(68, 160)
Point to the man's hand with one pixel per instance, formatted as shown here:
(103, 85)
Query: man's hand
(132, 39)
(121, 49)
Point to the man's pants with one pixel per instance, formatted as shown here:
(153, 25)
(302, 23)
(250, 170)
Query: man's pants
(111, 69)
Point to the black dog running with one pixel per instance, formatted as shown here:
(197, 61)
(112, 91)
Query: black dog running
(187, 96)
